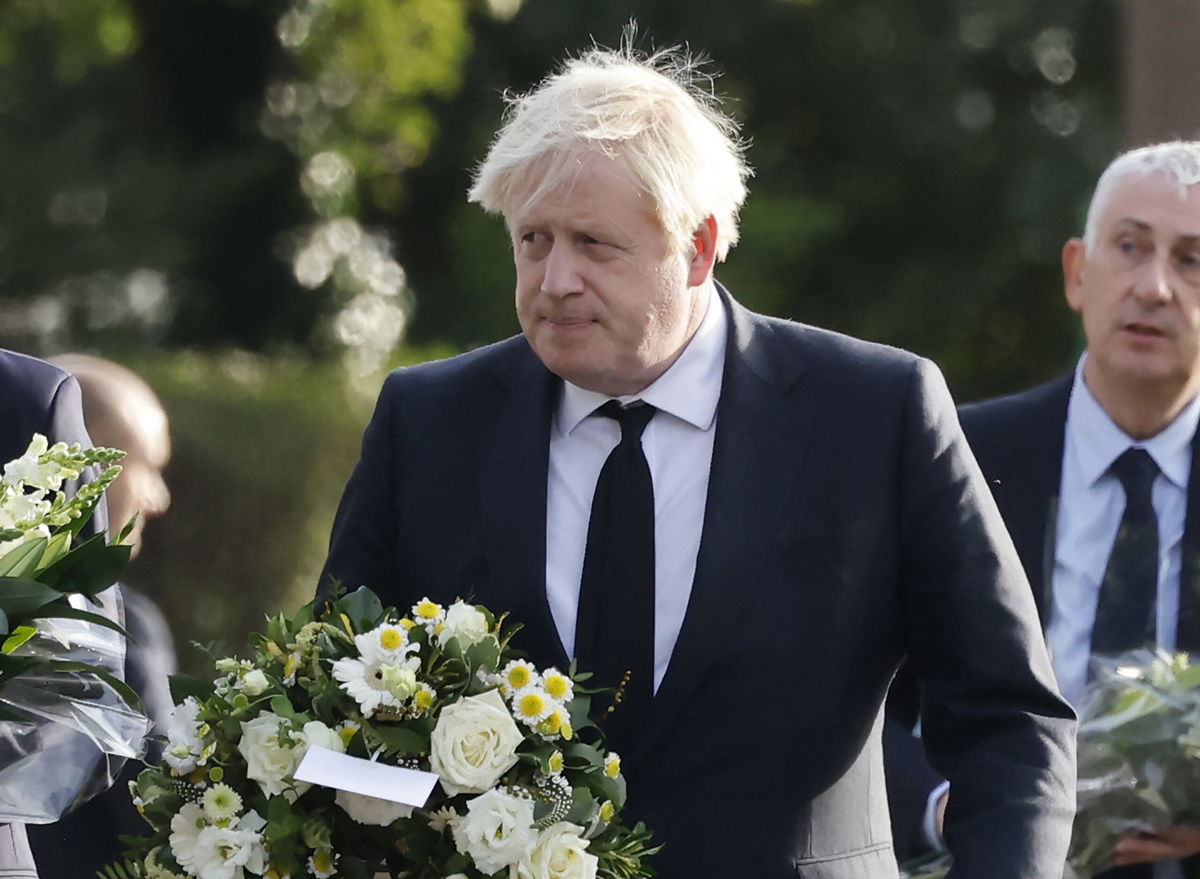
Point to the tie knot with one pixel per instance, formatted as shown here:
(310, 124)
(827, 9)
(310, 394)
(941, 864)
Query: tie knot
(632, 418)
(1136, 470)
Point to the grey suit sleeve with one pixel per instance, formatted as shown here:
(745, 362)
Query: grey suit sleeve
(993, 722)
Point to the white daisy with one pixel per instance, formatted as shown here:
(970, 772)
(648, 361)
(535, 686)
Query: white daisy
(388, 642)
(518, 675)
(531, 705)
(558, 685)
(428, 613)
(186, 826)
(364, 681)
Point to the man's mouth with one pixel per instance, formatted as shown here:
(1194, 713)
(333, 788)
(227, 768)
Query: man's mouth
(1147, 331)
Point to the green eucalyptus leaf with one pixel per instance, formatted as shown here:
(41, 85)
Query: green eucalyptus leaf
(22, 560)
(183, 686)
(89, 568)
(401, 739)
(19, 636)
(21, 598)
(363, 608)
(57, 547)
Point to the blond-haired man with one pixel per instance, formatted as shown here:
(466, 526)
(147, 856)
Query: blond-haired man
(743, 522)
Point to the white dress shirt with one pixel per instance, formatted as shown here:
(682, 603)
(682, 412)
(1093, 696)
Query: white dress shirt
(1091, 503)
(678, 444)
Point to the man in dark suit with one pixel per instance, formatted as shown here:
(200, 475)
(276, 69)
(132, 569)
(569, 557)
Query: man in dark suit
(1052, 457)
(795, 512)
(122, 412)
(35, 397)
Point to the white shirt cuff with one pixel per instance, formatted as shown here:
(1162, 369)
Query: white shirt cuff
(929, 825)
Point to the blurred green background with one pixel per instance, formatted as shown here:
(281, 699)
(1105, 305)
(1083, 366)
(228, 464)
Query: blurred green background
(259, 206)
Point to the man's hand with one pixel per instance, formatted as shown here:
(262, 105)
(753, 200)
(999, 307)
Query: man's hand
(1166, 845)
(939, 815)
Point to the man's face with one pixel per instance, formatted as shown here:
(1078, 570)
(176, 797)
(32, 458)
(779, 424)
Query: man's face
(600, 296)
(1138, 289)
(140, 489)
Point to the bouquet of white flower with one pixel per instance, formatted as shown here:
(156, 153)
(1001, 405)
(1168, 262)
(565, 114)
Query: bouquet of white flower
(61, 648)
(437, 692)
(40, 570)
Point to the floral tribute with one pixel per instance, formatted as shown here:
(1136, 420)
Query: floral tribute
(438, 690)
(1138, 758)
(41, 567)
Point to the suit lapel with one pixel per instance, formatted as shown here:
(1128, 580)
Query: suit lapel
(513, 453)
(1020, 452)
(751, 475)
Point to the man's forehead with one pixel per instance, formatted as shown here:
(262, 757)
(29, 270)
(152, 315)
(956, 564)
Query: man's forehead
(1155, 203)
(590, 184)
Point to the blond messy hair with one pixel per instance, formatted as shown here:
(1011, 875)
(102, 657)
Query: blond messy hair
(650, 113)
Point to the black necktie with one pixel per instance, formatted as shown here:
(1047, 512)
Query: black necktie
(614, 634)
(1125, 614)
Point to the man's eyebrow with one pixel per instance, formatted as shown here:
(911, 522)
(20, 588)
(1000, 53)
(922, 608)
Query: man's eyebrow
(1140, 225)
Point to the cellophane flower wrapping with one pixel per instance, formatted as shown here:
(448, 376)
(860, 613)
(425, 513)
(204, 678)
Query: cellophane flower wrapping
(67, 720)
(1138, 753)
(1139, 744)
(525, 790)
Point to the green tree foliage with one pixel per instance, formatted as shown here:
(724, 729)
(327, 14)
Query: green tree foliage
(164, 162)
(919, 166)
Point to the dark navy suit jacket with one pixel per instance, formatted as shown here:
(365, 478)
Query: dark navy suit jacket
(846, 527)
(1018, 441)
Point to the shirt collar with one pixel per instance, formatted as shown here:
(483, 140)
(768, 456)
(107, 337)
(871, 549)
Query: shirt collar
(689, 389)
(1098, 441)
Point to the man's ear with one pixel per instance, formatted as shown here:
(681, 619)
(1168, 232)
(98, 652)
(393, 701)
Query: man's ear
(1074, 255)
(704, 252)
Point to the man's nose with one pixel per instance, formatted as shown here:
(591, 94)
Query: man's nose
(561, 274)
(1153, 284)
(156, 497)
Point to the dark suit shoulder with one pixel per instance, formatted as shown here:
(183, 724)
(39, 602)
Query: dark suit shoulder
(27, 382)
(824, 344)
(36, 397)
(1036, 415)
(436, 378)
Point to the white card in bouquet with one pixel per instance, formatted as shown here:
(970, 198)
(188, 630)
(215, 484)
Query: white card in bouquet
(328, 768)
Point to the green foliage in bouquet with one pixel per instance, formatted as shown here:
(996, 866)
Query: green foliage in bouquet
(439, 690)
(1139, 758)
(41, 566)
(1139, 740)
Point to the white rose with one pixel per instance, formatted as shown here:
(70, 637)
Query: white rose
(474, 743)
(255, 683)
(464, 622)
(268, 762)
(560, 853)
(317, 733)
(497, 831)
(371, 810)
